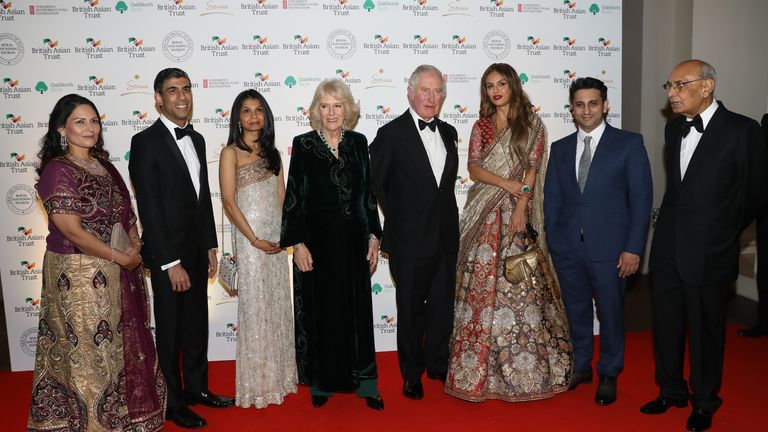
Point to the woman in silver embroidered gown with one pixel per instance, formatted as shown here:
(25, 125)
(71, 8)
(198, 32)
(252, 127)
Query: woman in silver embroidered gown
(252, 191)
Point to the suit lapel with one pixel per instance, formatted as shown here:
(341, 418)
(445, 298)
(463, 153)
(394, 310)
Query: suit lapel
(417, 151)
(169, 141)
(450, 150)
(602, 152)
(709, 141)
(570, 160)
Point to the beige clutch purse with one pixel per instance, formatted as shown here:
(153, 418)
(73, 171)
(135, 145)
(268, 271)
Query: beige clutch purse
(119, 240)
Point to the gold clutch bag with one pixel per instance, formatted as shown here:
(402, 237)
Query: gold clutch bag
(521, 267)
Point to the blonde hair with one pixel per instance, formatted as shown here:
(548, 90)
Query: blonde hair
(336, 89)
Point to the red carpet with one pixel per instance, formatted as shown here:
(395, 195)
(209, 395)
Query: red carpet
(745, 393)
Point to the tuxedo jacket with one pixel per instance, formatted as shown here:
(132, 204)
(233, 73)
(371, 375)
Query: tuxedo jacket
(421, 217)
(615, 207)
(702, 215)
(177, 225)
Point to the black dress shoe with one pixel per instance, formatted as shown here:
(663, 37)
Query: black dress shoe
(584, 377)
(753, 332)
(606, 390)
(660, 405)
(376, 402)
(437, 376)
(413, 390)
(185, 418)
(699, 421)
(318, 401)
(209, 399)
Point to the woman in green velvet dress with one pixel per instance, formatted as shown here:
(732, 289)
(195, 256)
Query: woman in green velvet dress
(331, 219)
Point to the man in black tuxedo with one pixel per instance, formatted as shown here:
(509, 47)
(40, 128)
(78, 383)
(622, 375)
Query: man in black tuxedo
(414, 163)
(760, 328)
(715, 162)
(168, 171)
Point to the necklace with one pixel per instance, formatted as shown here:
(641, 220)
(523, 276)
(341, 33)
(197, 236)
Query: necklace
(91, 164)
(325, 141)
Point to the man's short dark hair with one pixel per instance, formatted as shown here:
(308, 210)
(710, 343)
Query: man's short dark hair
(166, 74)
(585, 84)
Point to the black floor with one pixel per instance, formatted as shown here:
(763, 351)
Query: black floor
(637, 313)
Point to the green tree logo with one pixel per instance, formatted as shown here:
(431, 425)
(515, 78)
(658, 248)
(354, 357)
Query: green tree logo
(376, 289)
(523, 78)
(368, 5)
(121, 7)
(41, 87)
(290, 81)
(127, 155)
(594, 9)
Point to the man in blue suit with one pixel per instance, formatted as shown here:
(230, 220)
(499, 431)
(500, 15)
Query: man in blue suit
(597, 203)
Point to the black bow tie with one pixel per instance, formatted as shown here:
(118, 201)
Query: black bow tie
(430, 124)
(182, 132)
(695, 123)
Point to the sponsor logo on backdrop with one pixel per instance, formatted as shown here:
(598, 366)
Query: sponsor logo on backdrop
(379, 288)
(216, 8)
(106, 123)
(28, 341)
(92, 9)
(299, 4)
(565, 79)
(51, 50)
(459, 78)
(42, 87)
(26, 271)
(497, 44)
(136, 47)
(176, 8)
(543, 114)
(462, 185)
(459, 114)
(260, 7)
(136, 6)
(220, 118)
(570, 11)
(604, 47)
(344, 7)
(383, 5)
(30, 309)
(11, 49)
(459, 45)
(381, 45)
(259, 45)
(379, 79)
(8, 12)
(292, 81)
(420, 8)
(341, 44)
(23, 237)
(526, 78)
(219, 46)
(219, 83)
(46, 9)
(21, 199)
(139, 121)
(347, 77)
(300, 116)
(457, 7)
(382, 115)
(532, 8)
(229, 334)
(386, 324)
(497, 8)
(178, 46)
(564, 114)
(301, 45)
(262, 83)
(12, 88)
(97, 86)
(569, 47)
(17, 163)
(533, 46)
(14, 125)
(420, 45)
(136, 85)
(606, 9)
(94, 48)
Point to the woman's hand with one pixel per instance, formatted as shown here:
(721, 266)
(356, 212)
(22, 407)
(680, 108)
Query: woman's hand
(302, 257)
(518, 220)
(131, 257)
(267, 246)
(373, 254)
(515, 188)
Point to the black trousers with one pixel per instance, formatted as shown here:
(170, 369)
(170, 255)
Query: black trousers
(425, 291)
(181, 329)
(762, 271)
(702, 310)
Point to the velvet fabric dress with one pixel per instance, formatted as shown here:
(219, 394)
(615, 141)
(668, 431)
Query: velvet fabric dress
(330, 207)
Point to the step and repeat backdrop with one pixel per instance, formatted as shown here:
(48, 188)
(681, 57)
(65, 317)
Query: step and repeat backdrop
(110, 52)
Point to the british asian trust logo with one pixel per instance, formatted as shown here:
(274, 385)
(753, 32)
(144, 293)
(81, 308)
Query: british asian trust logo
(260, 7)
(420, 8)
(219, 118)
(380, 44)
(260, 45)
(30, 308)
(459, 45)
(138, 121)
(604, 47)
(17, 163)
(13, 88)
(14, 124)
(343, 8)
(570, 11)
(462, 185)
(175, 8)
(22, 237)
(533, 46)
(386, 324)
(381, 115)
(135, 48)
(26, 271)
(92, 9)
(569, 47)
(97, 86)
(263, 83)
(301, 45)
(219, 46)
(93, 48)
(420, 44)
(50, 49)
(497, 8)
(8, 12)
(229, 333)
(459, 115)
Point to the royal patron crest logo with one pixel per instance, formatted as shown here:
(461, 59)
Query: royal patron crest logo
(497, 45)
(178, 46)
(11, 49)
(341, 44)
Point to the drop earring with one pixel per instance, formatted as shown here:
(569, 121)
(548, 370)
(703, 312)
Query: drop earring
(63, 142)
(240, 128)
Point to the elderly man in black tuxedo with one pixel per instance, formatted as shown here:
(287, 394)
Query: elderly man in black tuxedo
(169, 172)
(715, 162)
(414, 163)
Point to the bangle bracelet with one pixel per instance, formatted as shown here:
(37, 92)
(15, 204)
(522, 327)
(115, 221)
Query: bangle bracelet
(112, 259)
(254, 241)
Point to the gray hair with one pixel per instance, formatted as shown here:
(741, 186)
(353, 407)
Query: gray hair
(413, 81)
(335, 88)
(707, 70)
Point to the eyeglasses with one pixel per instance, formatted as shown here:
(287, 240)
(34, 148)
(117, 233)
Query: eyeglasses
(678, 85)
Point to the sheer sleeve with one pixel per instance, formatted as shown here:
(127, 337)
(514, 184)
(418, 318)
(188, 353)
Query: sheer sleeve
(539, 143)
(59, 188)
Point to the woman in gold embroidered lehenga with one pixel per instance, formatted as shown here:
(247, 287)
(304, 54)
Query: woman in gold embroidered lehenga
(509, 342)
(96, 367)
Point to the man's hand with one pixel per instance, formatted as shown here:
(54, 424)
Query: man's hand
(373, 254)
(628, 264)
(213, 263)
(179, 278)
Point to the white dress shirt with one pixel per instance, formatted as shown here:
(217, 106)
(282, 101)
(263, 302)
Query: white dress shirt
(689, 143)
(596, 134)
(187, 149)
(434, 146)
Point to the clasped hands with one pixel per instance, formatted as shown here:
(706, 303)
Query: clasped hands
(303, 257)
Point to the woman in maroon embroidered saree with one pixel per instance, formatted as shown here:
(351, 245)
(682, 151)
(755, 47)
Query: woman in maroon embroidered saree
(95, 368)
(510, 341)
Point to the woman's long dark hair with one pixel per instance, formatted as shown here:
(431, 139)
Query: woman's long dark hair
(519, 115)
(267, 148)
(51, 142)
